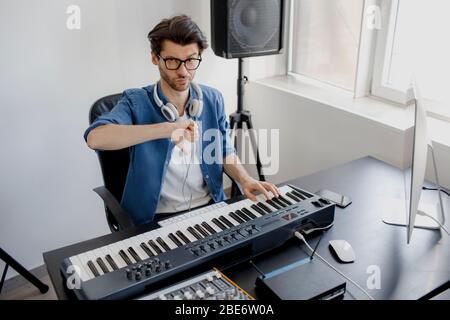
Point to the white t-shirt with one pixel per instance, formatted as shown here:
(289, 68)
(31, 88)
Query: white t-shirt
(183, 169)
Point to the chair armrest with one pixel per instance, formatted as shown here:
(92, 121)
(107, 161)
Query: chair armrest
(114, 207)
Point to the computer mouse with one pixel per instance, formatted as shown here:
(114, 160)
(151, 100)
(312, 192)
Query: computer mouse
(342, 250)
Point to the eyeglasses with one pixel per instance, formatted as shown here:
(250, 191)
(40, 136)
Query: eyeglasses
(175, 64)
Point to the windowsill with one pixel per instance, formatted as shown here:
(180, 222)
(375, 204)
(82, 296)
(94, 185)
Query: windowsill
(393, 116)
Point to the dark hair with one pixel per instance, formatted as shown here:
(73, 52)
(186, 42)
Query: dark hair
(179, 29)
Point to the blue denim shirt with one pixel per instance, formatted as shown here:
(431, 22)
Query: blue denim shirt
(149, 160)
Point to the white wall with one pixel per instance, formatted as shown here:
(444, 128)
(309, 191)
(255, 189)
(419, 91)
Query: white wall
(49, 78)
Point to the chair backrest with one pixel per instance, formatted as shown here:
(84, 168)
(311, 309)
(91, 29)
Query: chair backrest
(114, 164)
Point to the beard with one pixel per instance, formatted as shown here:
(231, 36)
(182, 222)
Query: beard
(176, 83)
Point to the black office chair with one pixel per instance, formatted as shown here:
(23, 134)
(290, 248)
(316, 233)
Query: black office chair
(114, 166)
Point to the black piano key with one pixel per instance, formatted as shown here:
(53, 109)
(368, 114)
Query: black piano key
(102, 265)
(183, 237)
(219, 224)
(249, 213)
(134, 254)
(208, 227)
(111, 262)
(93, 268)
(264, 207)
(226, 221)
(236, 217)
(175, 239)
(290, 195)
(163, 244)
(154, 246)
(304, 193)
(242, 215)
(194, 233)
(285, 200)
(201, 230)
(299, 195)
(147, 250)
(273, 204)
(279, 202)
(257, 209)
(125, 257)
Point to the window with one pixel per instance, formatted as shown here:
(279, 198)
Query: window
(325, 40)
(413, 42)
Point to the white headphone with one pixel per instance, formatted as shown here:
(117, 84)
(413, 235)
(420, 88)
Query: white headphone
(170, 112)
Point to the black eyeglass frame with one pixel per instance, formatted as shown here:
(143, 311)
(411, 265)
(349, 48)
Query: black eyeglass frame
(180, 62)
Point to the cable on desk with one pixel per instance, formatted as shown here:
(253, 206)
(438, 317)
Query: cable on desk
(435, 189)
(301, 237)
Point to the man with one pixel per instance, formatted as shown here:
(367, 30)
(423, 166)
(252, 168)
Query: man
(159, 123)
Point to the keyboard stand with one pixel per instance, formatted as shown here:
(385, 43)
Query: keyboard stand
(10, 261)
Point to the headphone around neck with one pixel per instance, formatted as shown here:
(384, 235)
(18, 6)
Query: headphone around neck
(170, 112)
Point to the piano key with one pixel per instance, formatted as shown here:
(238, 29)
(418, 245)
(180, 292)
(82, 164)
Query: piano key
(164, 234)
(175, 240)
(99, 255)
(83, 274)
(210, 229)
(207, 218)
(102, 265)
(289, 203)
(248, 205)
(93, 268)
(114, 252)
(197, 235)
(226, 222)
(219, 224)
(147, 250)
(298, 194)
(134, 254)
(111, 262)
(83, 257)
(242, 215)
(182, 227)
(279, 202)
(154, 246)
(163, 244)
(274, 204)
(93, 257)
(182, 236)
(200, 229)
(146, 237)
(263, 207)
(124, 257)
(236, 218)
(293, 197)
(137, 247)
(249, 213)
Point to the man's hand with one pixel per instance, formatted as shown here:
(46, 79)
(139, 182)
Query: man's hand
(185, 131)
(250, 185)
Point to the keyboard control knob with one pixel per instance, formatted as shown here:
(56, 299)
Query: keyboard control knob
(148, 272)
(167, 264)
(129, 273)
(138, 276)
(200, 294)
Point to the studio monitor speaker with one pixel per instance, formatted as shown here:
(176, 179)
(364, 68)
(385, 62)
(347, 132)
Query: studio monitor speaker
(246, 28)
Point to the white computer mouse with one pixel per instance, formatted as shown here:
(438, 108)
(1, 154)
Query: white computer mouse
(343, 250)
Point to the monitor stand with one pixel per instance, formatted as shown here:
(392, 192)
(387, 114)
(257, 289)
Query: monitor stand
(397, 214)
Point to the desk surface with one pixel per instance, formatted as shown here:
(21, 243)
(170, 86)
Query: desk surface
(405, 271)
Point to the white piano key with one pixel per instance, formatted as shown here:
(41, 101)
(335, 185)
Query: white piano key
(172, 228)
(248, 205)
(84, 260)
(144, 239)
(183, 228)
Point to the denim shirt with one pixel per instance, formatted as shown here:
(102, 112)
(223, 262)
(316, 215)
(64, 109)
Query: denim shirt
(149, 160)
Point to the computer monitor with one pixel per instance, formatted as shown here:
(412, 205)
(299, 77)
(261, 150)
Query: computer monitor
(416, 214)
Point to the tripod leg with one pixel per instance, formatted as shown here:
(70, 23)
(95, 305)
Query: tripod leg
(249, 124)
(3, 277)
(43, 288)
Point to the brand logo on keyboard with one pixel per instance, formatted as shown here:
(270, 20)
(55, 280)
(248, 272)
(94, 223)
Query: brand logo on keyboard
(289, 216)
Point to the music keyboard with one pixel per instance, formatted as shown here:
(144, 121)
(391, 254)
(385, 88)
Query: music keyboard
(131, 266)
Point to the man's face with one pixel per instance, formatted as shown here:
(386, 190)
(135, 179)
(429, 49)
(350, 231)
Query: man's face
(179, 79)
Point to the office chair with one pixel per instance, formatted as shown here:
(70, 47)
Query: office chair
(114, 166)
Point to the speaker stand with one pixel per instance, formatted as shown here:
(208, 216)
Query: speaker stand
(241, 116)
(10, 261)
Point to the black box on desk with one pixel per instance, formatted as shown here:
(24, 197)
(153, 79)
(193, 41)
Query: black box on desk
(303, 280)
